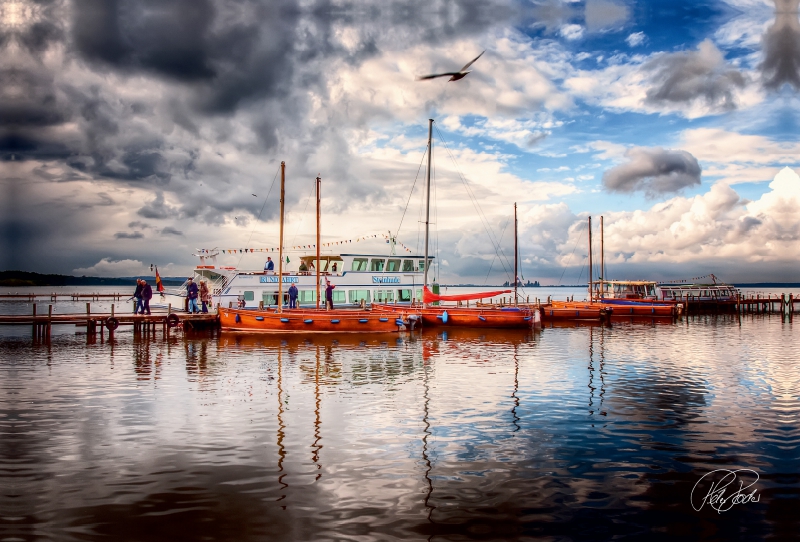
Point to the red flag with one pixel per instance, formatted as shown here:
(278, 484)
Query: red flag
(159, 286)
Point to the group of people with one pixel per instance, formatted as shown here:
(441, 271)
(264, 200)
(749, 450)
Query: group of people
(142, 296)
(193, 292)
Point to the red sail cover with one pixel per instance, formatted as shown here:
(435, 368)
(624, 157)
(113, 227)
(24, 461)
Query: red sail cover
(430, 297)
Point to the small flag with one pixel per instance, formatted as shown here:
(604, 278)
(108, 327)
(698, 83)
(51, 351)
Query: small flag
(287, 259)
(159, 285)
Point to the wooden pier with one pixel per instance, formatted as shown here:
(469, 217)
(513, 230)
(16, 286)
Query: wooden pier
(42, 323)
(73, 297)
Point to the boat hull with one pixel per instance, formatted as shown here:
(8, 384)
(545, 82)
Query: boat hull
(313, 321)
(565, 311)
(489, 318)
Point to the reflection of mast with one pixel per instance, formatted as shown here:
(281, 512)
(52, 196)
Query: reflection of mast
(281, 428)
(591, 372)
(426, 434)
(317, 447)
(516, 387)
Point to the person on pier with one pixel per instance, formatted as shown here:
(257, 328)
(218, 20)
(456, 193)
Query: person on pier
(147, 295)
(205, 297)
(191, 294)
(137, 297)
(329, 294)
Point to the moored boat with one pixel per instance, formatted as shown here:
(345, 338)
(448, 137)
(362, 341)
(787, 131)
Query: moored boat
(315, 321)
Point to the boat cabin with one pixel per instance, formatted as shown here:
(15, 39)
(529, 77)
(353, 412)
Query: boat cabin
(624, 289)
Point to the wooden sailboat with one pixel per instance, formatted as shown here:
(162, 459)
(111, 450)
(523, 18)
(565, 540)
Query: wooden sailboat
(457, 316)
(317, 320)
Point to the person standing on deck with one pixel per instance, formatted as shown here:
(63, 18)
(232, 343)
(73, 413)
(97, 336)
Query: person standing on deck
(329, 295)
(147, 295)
(191, 294)
(269, 267)
(204, 296)
(137, 297)
(292, 296)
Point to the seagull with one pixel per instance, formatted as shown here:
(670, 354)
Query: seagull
(455, 75)
(255, 196)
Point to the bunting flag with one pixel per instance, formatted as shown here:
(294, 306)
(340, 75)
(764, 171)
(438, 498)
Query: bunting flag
(306, 247)
(159, 285)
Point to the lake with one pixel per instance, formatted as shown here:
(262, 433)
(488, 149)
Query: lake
(569, 433)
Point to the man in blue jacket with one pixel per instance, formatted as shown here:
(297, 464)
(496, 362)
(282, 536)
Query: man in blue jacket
(147, 295)
(137, 297)
(191, 294)
(292, 296)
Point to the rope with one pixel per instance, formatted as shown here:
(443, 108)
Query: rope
(583, 225)
(259, 213)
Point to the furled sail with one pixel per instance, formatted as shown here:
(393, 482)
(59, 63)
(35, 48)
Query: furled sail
(430, 297)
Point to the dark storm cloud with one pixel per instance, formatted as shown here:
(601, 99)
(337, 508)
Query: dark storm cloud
(128, 235)
(171, 231)
(781, 64)
(158, 209)
(690, 75)
(653, 171)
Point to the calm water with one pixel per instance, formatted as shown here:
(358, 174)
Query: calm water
(569, 433)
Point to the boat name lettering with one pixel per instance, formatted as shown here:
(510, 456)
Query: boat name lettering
(275, 279)
(386, 280)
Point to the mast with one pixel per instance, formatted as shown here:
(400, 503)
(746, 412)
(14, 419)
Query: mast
(280, 247)
(515, 254)
(590, 259)
(602, 261)
(428, 201)
(318, 226)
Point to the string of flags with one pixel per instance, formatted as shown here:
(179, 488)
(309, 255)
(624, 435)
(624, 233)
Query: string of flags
(303, 247)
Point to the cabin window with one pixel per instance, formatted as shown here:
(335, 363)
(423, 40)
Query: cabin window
(404, 295)
(377, 264)
(339, 296)
(384, 296)
(355, 296)
(419, 295)
(359, 264)
(249, 295)
(269, 298)
(421, 265)
(307, 296)
(408, 266)
(393, 265)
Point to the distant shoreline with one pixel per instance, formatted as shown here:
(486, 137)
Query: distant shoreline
(27, 278)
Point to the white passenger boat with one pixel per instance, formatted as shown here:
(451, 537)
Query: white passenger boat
(359, 280)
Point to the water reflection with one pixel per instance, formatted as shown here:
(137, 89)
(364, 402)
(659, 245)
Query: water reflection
(583, 433)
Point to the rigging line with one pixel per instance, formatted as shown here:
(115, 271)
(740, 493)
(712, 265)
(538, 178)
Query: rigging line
(397, 233)
(583, 225)
(502, 233)
(259, 214)
(473, 199)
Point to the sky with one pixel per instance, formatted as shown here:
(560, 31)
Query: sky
(134, 132)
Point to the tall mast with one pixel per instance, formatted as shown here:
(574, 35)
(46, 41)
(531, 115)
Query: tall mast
(590, 259)
(602, 261)
(318, 226)
(515, 254)
(280, 247)
(428, 201)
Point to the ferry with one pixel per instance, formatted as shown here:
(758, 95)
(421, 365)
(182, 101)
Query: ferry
(652, 291)
(359, 280)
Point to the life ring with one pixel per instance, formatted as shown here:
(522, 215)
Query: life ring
(173, 320)
(112, 323)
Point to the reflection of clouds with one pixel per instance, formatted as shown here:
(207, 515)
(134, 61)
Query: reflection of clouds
(781, 65)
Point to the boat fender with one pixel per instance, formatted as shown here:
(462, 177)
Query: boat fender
(363, 320)
(112, 323)
(481, 318)
(308, 321)
(443, 317)
(172, 320)
(383, 319)
(285, 320)
(259, 318)
(399, 322)
(334, 321)
(238, 319)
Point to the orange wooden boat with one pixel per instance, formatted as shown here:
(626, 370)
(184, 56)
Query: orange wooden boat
(315, 321)
(574, 310)
(454, 316)
(640, 308)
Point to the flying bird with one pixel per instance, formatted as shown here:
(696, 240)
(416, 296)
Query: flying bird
(255, 196)
(455, 76)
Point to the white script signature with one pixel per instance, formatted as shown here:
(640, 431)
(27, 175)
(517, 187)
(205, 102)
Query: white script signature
(720, 490)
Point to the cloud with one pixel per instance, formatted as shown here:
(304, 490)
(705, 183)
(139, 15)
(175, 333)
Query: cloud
(781, 45)
(157, 208)
(171, 231)
(571, 31)
(692, 75)
(635, 39)
(653, 171)
(603, 14)
(113, 268)
(129, 235)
